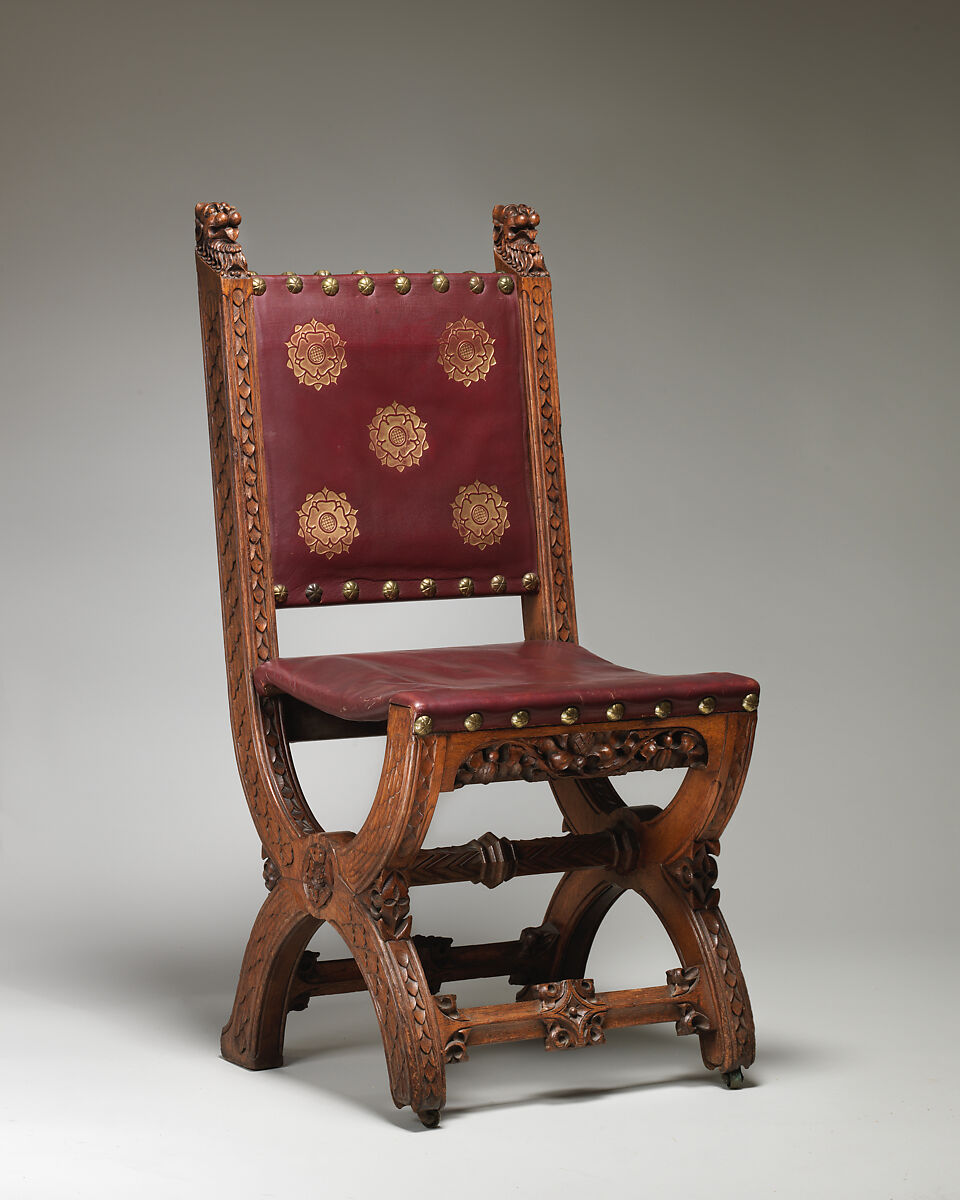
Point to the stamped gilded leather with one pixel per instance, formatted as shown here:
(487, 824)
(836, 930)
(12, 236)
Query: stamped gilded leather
(395, 439)
(544, 678)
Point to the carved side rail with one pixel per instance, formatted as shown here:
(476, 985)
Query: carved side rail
(586, 753)
(568, 1013)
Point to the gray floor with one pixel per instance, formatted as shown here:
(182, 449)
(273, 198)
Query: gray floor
(113, 1088)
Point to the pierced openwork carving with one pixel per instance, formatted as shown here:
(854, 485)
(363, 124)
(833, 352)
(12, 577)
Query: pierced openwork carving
(571, 1014)
(218, 226)
(515, 238)
(480, 514)
(328, 522)
(466, 351)
(398, 437)
(316, 354)
(591, 754)
(390, 904)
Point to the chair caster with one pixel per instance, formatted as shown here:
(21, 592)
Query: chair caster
(732, 1079)
(429, 1117)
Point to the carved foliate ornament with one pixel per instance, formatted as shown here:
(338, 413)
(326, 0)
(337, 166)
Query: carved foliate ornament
(515, 238)
(466, 351)
(316, 354)
(328, 522)
(398, 437)
(697, 873)
(571, 1014)
(682, 980)
(692, 1020)
(390, 904)
(604, 752)
(480, 514)
(217, 229)
(271, 873)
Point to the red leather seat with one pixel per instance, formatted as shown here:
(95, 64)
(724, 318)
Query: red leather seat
(542, 678)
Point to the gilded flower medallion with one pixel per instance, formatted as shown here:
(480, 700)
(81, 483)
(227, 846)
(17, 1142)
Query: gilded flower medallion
(328, 522)
(316, 354)
(398, 437)
(466, 351)
(480, 514)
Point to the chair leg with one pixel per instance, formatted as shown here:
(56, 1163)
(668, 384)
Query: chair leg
(393, 973)
(677, 880)
(701, 937)
(253, 1036)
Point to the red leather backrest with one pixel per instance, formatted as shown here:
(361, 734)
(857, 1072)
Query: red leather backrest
(395, 440)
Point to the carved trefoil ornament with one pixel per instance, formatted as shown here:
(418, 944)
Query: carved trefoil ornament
(571, 1014)
(398, 437)
(328, 522)
(316, 354)
(480, 514)
(466, 351)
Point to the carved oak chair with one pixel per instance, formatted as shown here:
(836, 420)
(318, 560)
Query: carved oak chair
(379, 438)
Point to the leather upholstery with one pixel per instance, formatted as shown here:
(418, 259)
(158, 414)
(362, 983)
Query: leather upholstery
(356, 493)
(541, 677)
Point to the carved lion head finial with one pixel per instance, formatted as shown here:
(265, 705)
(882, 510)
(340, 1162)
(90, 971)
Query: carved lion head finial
(515, 238)
(217, 230)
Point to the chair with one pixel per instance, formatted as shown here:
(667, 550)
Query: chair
(379, 438)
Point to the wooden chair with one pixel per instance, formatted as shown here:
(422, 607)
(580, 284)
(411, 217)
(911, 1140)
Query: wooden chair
(390, 437)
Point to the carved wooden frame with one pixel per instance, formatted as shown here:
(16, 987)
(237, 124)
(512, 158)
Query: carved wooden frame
(360, 882)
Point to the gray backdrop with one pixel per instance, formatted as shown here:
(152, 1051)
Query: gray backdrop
(749, 212)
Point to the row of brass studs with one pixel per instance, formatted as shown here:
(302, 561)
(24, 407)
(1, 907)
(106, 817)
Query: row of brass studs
(391, 589)
(570, 716)
(366, 284)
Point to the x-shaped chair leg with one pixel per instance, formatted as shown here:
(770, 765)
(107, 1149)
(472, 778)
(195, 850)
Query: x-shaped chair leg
(676, 876)
(359, 884)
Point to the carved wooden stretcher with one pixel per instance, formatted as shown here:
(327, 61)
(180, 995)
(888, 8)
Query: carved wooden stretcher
(396, 437)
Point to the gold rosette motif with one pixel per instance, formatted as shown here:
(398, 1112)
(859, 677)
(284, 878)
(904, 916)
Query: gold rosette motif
(317, 354)
(466, 351)
(328, 522)
(480, 514)
(398, 437)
